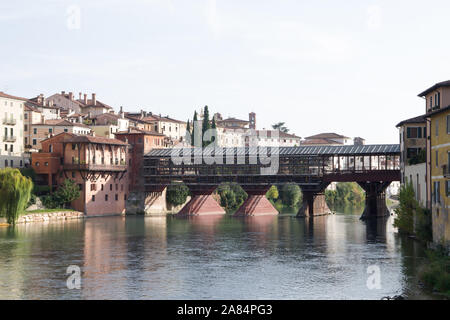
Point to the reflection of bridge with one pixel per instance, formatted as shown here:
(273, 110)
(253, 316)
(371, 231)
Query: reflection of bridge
(373, 167)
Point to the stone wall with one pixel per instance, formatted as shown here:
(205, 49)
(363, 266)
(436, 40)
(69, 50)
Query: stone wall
(50, 216)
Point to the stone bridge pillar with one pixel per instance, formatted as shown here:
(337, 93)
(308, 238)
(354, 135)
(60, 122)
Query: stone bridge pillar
(314, 204)
(202, 203)
(375, 199)
(256, 203)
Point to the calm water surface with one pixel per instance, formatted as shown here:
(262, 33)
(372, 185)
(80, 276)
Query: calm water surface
(207, 258)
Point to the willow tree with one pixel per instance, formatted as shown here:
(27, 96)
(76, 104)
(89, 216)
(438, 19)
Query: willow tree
(15, 192)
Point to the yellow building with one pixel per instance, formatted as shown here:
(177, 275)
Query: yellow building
(439, 122)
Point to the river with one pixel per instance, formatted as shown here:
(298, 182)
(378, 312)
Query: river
(220, 257)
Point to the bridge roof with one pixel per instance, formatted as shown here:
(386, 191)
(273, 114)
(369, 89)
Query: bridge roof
(374, 149)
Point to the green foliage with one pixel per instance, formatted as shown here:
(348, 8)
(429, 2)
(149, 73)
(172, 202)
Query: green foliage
(346, 193)
(67, 192)
(291, 195)
(29, 173)
(15, 192)
(41, 190)
(436, 272)
(177, 194)
(188, 137)
(272, 194)
(280, 126)
(408, 205)
(232, 196)
(32, 200)
(194, 129)
(424, 228)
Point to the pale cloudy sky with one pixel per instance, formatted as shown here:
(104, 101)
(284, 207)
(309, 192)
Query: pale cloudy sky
(353, 67)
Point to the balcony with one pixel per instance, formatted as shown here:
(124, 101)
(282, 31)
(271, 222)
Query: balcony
(9, 139)
(94, 167)
(10, 122)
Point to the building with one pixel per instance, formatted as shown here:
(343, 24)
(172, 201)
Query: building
(358, 141)
(437, 106)
(327, 139)
(174, 129)
(11, 128)
(271, 138)
(141, 142)
(83, 105)
(440, 173)
(98, 165)
(38, 132)
(47, 109)
(108, 124)
(412, 133)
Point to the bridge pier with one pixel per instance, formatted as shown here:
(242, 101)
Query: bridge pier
(256, 203)
(375, 199)
(314, 204)
(202, 203)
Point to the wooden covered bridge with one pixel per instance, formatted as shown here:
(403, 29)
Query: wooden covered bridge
(256, 169)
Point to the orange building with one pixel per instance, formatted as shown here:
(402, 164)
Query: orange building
(98, 165)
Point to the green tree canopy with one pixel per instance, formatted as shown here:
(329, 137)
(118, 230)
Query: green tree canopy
(177, 193)
(272, 194)
(291, 194)
(15, 192)
(280, 126)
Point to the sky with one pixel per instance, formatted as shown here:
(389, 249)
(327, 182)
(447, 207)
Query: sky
(353, 67)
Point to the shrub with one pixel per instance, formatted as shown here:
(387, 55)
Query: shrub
(272, 194)
(291, 194)
(405, 211)
(177, 194)
(232, 196)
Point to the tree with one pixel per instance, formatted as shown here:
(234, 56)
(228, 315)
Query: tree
(232, 196)
(291, 194)
(206, 125)
(188, 137)
(177, 194)
(67, 192)
(15, 192)
(405, 211)
(214, 128)
(280, 126)
(194, 129)
(272, 194)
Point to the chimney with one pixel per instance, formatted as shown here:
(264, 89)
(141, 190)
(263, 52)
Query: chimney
(63, 93)
(71, 96)
(79, 96)
(94, 100)
(85, 98)
(142, 113)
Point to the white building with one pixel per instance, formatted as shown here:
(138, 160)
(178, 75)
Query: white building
(11, 128)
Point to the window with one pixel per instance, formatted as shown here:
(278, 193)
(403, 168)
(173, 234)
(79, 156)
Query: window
(50, 130)
(106, 197)
(34, 142)
(26, 127)
(34, 130)
(50, 148)
(93, 187)
(26, 115)
(414, 132)
(437, 158)
(21, 163)
(12, 163)
(116, 197)
(110, 187)
(448, 124)
(80, 186)
(26, 140)
(6, 163)
(125, 197)
(65, 130)
(93, 198)
(46, 164)
(6, 147)
(73, 174)
(117, 187)
(37, 164)
(74, 146)
(11, 148)
(101, 187)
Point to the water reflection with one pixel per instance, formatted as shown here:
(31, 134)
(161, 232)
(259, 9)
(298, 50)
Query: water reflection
(207, 257)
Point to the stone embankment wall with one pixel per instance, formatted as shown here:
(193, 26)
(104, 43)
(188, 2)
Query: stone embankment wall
(50, 216)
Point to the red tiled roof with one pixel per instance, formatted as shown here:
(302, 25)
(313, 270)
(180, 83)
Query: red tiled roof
(140, 131)
(90, 103)
(4, 95)
(330, 135)
(318, 141)
(60, 122)
(97, 140)
(434, 87)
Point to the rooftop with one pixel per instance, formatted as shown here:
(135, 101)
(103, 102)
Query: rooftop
(419, 119)
(434, 87)
(329, 135)
(4, 95)
(96, 140)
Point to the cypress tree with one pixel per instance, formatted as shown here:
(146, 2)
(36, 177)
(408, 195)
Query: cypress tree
(15, 192)
(188, 137)
(206, 125)
(194, 128)
(214, 127)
